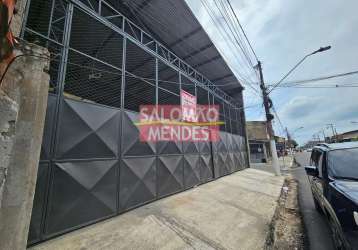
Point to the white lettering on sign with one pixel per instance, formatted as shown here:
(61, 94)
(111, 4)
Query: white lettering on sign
(188, 105)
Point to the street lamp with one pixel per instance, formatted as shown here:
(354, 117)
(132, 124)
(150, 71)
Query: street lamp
(322, 49)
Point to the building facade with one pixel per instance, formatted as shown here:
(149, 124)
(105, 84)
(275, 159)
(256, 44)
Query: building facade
(108, 58)
(259, 142)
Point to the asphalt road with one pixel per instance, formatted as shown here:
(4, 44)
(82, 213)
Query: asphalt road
(318, 232)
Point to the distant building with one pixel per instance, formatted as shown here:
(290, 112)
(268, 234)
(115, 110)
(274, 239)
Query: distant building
(281, 145)
(259, 142)
(347, 136)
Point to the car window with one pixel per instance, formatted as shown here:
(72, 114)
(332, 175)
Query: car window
(343, 163)
(313, 157)
(320, 165)
(317, 160)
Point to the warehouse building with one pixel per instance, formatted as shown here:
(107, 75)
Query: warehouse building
(109, 57)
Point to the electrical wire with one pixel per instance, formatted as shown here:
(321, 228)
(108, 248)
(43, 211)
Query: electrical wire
(223, 31)
(242, 29)
(321, 87)
(214, 21)
(300, 82)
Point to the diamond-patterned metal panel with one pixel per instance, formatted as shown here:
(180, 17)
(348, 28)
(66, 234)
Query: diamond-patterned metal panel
(245, 159)
(206, 168)
(131, 144)
(87, 131)
(204, 147)
(222, 164)
(81, 192)
(137, 182)
(229, 142)
(230, 162)
(191, 170)
(190, 148)
(235, 143)
(223, 145)
(39, 204)
(235, 162)
(48, 129)
(170, 174)
(169, 148)
(216, 161)
(216, 146)
(241, 164)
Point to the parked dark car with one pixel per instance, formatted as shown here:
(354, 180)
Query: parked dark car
(333, 174)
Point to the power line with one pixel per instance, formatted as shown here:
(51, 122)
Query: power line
(220, 28)
(299, 82)
(321, 87)
(234, 30)
(279, 120)
(243, 31)
(223, 30)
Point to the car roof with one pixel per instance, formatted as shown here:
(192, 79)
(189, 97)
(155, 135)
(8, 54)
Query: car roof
(336, 146)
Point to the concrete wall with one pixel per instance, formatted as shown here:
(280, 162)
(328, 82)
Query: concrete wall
(256, 130)
(23, 103)
(8, 114)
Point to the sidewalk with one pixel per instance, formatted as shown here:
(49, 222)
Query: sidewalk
(285, 165)
(233, 212)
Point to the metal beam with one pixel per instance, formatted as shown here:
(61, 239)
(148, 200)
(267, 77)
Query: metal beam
(198, 51)
(193, 32)
(221, 78)
(207, 61)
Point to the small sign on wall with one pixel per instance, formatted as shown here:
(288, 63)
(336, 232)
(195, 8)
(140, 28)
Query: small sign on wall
(189, 106)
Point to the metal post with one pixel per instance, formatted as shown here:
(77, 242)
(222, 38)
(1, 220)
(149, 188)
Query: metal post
(275, 163)
(59, 94)
(156, 82)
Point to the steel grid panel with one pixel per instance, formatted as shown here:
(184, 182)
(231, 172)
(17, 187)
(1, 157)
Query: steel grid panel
(87, 130)
(55, 50)
(95, 39)
(81, 192)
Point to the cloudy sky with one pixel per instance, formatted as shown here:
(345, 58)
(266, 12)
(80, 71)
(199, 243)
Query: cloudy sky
(282, 32)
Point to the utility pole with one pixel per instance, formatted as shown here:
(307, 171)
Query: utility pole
(334, 134)
(269, 118)
(324, 135)
(288, 139)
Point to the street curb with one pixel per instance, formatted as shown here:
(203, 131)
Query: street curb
(286, 230)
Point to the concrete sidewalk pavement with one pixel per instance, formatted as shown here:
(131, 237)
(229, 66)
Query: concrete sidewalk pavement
(233, 212)
(286, 164)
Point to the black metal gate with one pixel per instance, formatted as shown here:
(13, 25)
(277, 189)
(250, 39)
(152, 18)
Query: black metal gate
(93, 165)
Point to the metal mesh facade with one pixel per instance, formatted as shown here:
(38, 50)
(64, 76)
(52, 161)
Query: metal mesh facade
(93, 165)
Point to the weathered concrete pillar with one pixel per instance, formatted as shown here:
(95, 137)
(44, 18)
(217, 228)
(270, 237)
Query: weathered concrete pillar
(23, 103)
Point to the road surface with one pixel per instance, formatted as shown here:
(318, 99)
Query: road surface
(319, 235)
